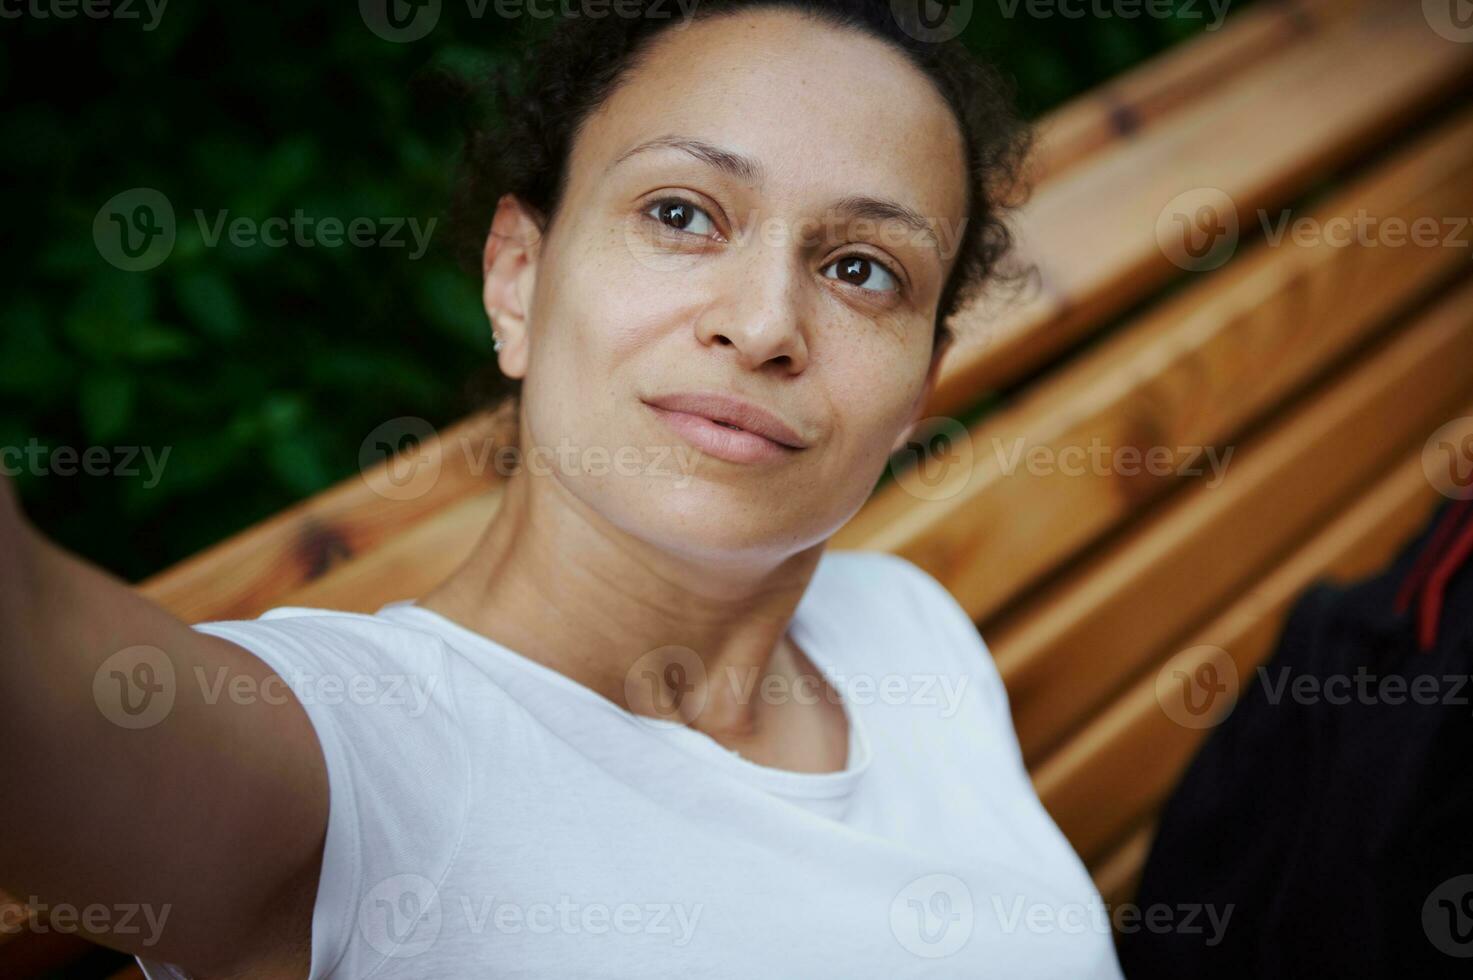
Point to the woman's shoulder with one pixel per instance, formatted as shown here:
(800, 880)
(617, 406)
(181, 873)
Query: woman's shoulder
(352, 669)
(309, 635)
(886, 582)
(890, 604)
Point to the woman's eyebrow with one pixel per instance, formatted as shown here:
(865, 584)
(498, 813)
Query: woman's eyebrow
(749, 171)
(878, 209)
(728, 161)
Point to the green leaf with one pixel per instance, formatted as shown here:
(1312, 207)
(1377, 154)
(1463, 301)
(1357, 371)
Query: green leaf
(150, 342)
(33, 368)
(207, 298)
(282, 412)
(296, 459)
(106, 403)
(111, 320)
(290, 164)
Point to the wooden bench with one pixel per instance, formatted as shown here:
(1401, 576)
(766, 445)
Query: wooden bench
(1317, 370)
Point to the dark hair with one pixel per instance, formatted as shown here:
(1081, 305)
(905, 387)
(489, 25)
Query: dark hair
(538, 107)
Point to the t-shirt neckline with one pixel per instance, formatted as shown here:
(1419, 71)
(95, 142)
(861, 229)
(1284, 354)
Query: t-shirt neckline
(786, 782)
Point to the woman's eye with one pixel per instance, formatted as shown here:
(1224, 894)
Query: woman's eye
(862, 272)
(683, 216)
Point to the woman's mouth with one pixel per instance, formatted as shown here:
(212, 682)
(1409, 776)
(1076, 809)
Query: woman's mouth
(723, 439)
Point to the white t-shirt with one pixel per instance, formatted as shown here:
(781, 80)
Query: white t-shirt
(490, 817)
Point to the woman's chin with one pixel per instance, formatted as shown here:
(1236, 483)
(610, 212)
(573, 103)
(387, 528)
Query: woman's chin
(717, 525)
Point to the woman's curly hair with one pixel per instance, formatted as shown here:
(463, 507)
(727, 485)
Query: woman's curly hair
(538, 106)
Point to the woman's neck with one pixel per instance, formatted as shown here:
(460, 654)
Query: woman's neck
(554, 581)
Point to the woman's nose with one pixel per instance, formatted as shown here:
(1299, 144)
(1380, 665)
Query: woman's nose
(762, 318)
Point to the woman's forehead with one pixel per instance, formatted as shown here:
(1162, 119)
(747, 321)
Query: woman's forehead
(823, 110)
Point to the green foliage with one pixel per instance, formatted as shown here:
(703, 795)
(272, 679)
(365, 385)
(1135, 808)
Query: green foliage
(258, 368)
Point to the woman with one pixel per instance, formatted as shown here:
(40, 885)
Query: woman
(651, 727)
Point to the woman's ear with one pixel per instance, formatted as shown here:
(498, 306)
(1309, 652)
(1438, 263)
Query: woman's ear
(509, 273)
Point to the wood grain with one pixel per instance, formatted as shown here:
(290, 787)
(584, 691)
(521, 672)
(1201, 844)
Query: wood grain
(1097, 624)
(1261, 139)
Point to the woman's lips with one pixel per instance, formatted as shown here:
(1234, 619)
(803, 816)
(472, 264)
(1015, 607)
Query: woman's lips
(716, 439)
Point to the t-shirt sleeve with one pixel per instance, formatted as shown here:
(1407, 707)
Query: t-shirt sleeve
(380, 699)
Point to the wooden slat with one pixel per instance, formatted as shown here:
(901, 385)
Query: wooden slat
(1125, 106)
(407, 566)
(250, 572)
(1121, 767)
(1100, 621)
(1260, 140)
(1192, 372)
(1118, 875)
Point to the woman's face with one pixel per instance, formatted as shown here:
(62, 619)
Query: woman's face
(766, 209)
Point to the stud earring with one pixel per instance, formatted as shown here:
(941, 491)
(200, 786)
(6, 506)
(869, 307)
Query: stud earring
(496, 342)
